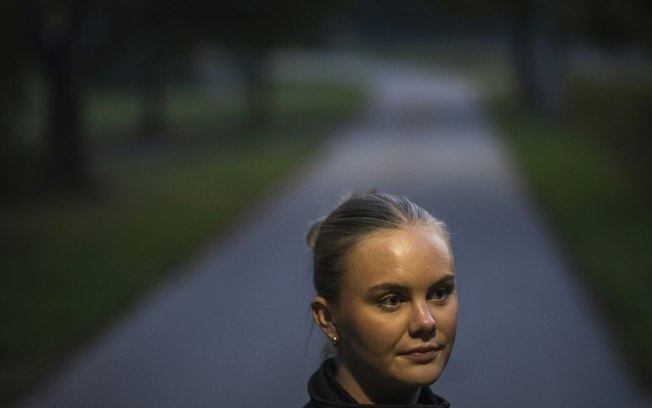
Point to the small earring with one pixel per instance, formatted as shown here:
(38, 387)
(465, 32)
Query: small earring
(334, 339)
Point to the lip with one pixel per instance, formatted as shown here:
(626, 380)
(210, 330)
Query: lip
(423, 354)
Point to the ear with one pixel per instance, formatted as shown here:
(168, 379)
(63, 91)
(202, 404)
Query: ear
(321, 314)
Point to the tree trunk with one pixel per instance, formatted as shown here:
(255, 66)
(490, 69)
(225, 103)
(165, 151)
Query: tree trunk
(535, 57)
(66, 156)
(254, 67)
(67, 162)
(13, 163)
(152, 89)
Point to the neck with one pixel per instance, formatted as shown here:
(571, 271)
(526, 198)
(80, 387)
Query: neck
(365, 391)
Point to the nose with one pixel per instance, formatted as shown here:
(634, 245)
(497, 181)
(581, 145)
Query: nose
(423, 323)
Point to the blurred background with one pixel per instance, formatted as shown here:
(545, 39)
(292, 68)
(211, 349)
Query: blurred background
(122, 120)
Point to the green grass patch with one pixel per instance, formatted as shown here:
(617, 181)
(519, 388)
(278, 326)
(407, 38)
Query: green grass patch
(590, 194)
(71, 264)
(615, 110)
(195, 114)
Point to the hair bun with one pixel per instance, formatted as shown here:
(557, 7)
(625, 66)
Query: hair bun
(313, 232)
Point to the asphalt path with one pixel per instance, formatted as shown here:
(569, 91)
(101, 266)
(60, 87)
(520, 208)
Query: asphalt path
(232, 329)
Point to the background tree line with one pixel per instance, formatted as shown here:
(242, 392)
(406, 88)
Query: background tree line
(69, 43)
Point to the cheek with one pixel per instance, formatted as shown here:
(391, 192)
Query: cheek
(447, 320)
(373, 331)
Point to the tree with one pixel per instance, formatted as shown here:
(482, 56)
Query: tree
(13, 69)
(150, 29)
(609, 22)
(56, 29)
(534, 44)
(250, 29)
(540, 28)
(536, 55)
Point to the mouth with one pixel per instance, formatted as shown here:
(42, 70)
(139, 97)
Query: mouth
(423, 354)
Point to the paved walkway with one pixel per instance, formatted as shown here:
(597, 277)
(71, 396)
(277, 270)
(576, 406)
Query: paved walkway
(233, 329)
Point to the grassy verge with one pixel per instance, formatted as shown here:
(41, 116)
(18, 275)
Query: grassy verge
(72, 264)
(593, 193)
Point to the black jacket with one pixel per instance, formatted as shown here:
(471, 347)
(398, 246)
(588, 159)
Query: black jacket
(326, 392)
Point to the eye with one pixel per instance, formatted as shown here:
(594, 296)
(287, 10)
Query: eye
(390, 301)
(441, 293)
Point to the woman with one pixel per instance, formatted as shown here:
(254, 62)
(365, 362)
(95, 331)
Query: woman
(386, 300)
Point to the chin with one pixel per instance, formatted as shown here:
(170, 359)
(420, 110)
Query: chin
(422, 376)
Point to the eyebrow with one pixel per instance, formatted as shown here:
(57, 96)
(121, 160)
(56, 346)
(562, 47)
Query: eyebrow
(396, 287)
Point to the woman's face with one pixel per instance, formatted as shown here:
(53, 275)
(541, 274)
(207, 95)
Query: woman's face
(398, 312)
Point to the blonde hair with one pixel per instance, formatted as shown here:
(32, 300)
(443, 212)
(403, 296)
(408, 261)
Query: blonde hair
(333, 237)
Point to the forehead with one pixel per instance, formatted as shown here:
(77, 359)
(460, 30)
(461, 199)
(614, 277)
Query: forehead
(408, 255)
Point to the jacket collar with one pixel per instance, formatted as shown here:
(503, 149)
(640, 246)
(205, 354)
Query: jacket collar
(326, 392)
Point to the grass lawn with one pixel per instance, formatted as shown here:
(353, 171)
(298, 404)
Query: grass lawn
(70, 265)
(601, 218)
(590, 174)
